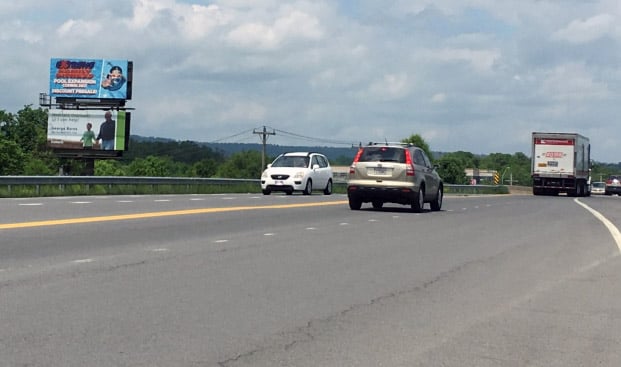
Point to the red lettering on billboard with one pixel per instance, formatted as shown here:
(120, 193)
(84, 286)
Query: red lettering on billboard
(76, 70)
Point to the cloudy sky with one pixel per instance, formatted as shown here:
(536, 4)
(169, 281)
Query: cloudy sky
(471, 75)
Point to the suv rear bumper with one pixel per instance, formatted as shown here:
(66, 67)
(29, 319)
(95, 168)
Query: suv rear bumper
(365, 194)
(609, 190)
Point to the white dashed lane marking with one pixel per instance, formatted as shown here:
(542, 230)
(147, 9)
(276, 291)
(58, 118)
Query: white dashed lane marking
(83, 261)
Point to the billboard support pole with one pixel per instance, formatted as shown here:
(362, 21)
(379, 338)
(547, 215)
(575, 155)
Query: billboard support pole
(89, 168)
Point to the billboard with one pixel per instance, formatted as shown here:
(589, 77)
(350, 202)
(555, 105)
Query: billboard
(88, 130)
(107, 79)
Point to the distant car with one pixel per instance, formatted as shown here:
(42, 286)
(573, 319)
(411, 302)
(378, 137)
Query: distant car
(598, 188)
(394, 173)
(613, 185)
(298, 171)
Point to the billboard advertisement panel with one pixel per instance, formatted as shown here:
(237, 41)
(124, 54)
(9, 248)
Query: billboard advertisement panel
(90, 78)
(88, 130)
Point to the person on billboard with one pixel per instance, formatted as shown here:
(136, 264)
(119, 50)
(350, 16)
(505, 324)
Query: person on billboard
(88, 137)
(113, 82)
(107, 132)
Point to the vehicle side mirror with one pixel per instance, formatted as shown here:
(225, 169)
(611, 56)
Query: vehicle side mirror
(315, 166)
(269, 165)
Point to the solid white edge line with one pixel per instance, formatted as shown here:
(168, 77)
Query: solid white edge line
(614, 231)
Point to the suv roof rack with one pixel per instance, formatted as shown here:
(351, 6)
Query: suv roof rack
(391, 143)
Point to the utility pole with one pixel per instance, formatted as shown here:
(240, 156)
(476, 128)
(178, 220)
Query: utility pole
(264, 133)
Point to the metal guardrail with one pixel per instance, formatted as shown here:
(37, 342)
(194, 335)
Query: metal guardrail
(62, 181)
(37, 183)
(117, 180)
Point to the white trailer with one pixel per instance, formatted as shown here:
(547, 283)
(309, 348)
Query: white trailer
(561, 163)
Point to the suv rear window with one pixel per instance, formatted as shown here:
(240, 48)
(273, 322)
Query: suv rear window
(382, 154)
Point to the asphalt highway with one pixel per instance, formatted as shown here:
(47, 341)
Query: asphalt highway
(253, 280)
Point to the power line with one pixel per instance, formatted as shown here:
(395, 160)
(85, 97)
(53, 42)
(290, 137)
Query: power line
(287, 134)
(232, 136)
(322, 140)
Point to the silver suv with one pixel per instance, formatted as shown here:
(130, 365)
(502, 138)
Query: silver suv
(394, 173)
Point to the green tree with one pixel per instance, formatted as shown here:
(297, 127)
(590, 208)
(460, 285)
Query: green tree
(151, 166)
(452, 169)
(206, 167)
(5, 121)
(185, 151)
(418, 141)
(40, 167)
(109, 167)
(468, 159)
(28, 129)
(514, 169)
(496, 161)
(11, 157)
(246, 164)
(519, 170)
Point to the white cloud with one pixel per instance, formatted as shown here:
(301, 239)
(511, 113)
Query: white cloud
(72, 27)
(582, 31)
(145, 11)
(254, 35)
(16, 30)
(243, 111)
(200, 20)
(572, 83)
(438, 98)
(291, 26)
(389, 87)
(479, 60)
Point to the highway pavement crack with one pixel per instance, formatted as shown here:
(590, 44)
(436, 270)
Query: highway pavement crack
(287, 340)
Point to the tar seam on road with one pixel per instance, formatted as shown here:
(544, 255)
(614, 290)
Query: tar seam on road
(108, 218)
(614, 231)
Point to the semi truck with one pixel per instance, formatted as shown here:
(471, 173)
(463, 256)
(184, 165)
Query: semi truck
(561, 163)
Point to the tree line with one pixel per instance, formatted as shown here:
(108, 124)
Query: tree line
(23, 151)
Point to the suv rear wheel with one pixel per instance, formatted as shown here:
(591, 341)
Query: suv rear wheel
(355, 204)
(418, 202)
(436, 204)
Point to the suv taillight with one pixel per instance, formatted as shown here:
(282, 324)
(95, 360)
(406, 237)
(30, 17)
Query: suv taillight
(352, 168)
(409, 166)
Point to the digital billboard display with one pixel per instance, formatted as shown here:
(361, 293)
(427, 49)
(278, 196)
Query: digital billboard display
(107, 79)
(91, 130)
